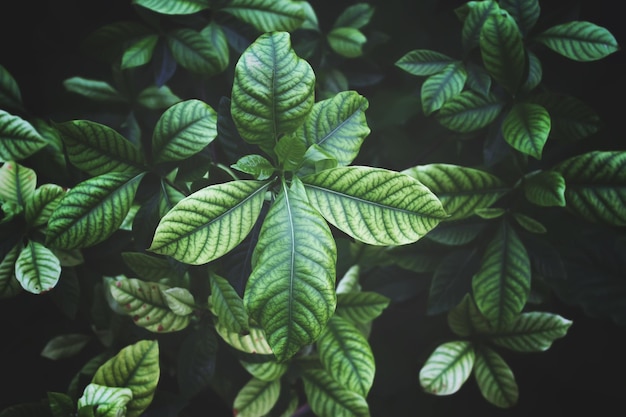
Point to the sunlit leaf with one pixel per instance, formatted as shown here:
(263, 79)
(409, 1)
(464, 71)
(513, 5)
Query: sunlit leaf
(256, 398)
(179, 300)
(37, 269)
(579, 40)
(349, 282)
(255, 165)
(328, 398)
(495, 379)
(139, 52)
(438, 88)
(447, 368)
(269, 370)
(532, 332)
(42, 203)
(104, 401)
(18, 138)
(526, 128)
(253, 342)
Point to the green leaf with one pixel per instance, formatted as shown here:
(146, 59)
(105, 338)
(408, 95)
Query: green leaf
(269, 370)
(139, 52)
(179, 300)
(179, 7)
(10, 94)
(183, 130)
(92, 211)
(502, 50)
(18, 138)
(310, 17)
(502, 284)
(255, 165)
(535, 73)
(525, 12)
(135, 367)
(148, 267)
(268, 15)
(490, 213)
(579, 41)
(495, 379)
(461, 190)
(596, 186)
(529, 223)
(146, 304)
(545, 188)
(349, 282)
(256, 398)
(17, 183)
(532, 332)
(374, 205)
(157, 98)
(447, 368)
(37, 269)
(9, 285)
(290, 151)
(466, 320)
(61, 404)
(478, 79)
(437, 89)
(361, 307)
(424, 62)
(219, 47)
(227, 305)
(42, 203)
(195, 50)
(526, 128)
(94, 89)
(104, 401)
(477, 14)
(328, 398)
(346, 41)
(254, 342)
(65, 346)
(571, 118)
(99, 149)
(273, 90)
(355, 16)
(469, 111)
(346, 355)
(291, 291)
(210, 222)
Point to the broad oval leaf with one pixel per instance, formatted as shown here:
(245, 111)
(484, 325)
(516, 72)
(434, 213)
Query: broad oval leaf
(596, 186)
(525, 12)
(477, 14)
(545, 188)
(17, 183)
(210, 222)
(495, 379)
(374, 205)
(360, 307)
(328, 398)
(291, 291)
(99, 149)
(502, 284)
(447, 368)
(42, 203)
(92, 211)
(179, 7)
(268, 15)
(469, 111)
(94, 89)
(526, 128)
(10, 94)
(227, 305)
(438, 88)
(461, 190)
(349, 282)
(571, 118)
(424, 62)
(256, 398)
(183, 130)
(579, 40)
(37, 268)
(255, 165)
(105, 401)
(196, 52)
(135, 367)
(18, 138)
(219, 46)
(139, 52)
(273, 90)
(532, 332)
(346, 41)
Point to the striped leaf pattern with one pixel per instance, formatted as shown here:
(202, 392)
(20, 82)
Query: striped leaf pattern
(92, 211)
(478, 79)
(256, 398)
(269, 370)
(195, 51)
(227, 305)
(135, 367)
(37, 269)
(424, 62)
(545, 188)
(346, 355)
(18, 138)
(219, 46)
(40, 206)
(273, 90)
(9, 285)
(502, 284)
(17, 183)
(96, 90)
(579, 41)
(179, 300)
(98, 149)
(179, 7)
(109, 401)
(478, 13)
(526, 128)
(495, 379)
(328, 398)
(349, 282)
(346, 41)
(461, 190)
(466, 320)
(447, 368)
(355, 16)
(254, 342)
(291, 291)
(596, 186)
(268, 15)
(525, 12)
(210, 222)
(571, 118)
(374, 205)
(145, 303)
(502, 50)
(531, 225)
(10, 94)
(139, 52)
(437, 89)
(532, 332)
(535, 72)
(361, 307)
(183, 130)
(469, 111)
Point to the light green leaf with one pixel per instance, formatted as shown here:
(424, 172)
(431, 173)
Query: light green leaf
(42, 203)
(179, 7)
(273, 90)
(502, 284)
(210, 222)
(269, 370)
(355, 16)
(374, 205)
(571, 118)
(532, 332)
(17, 183)
(227, 305)
(525, 12)
(461, 190)
(290, 151)
(424, 62)
(256, 398)
(447, 368)
(37, 269)
(502, 50)
(495, 379)
(99, 149)
(545, 188)
(579, 40)
(157, 98)
(254, 342)
(92, 211)
(94, 89)
(596, 186)
(466, 320)
(179, 300)
(291, 291)
(139, 52)
(469, 111)
(526, 128)
(361, 307)
(328, 398)
(18, 138)
(437, 89)
(65, 345)
(146, 304)
(529, 223)
(346, 355)
(183, 130)
(477, 14)
(349, 282)
(268, 15)
(255, 165)
(104, 401)
(135, 367)
(195, 51)
(10, 94)
(346, 41)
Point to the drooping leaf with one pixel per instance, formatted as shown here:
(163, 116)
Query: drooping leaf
(466, 320)
(477, 13)
(10, 94)
(18, 138)
(495, 379)
(571, 118)
(157, 98)
(180, 7)
(447, 368)
(424, 62)
(438, 88)
(135, 367)
(227, 305)
(194, 50)
(272, 90)
(328, 398)
(346, 41)
(42, 203)
(291, 291)
(269, 370)
(374, 205)
(256, 398)
(355, 16)
(361, 307)
(210, 222)
(579, 40)
(254, 342)
(65, 345)
(526, 128)
(37, 269)
(268, 15)
(92, 211)
(469, 111)
(525, 12)
(17, 183)
(532, 332)
(139, 52)
(104, 401)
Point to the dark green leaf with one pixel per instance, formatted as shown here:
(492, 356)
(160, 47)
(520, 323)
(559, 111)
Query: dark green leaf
(18, 138)
(579, 40)
(355, 16)
(268, 15)
(525, 12)
(179, 7)
(139, 52)
(495, 379)
(532, 332)
(526, 128)
(439, 88)
(328, 398)
(424, 62)
(469, 111)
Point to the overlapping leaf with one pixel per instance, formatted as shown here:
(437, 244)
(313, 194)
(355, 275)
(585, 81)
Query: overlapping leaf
(526, 128)
(424, 62)
(438, 88)
(328, 398)
(254, 342)
(469, 111)
(579, 40)
(466, 320)
(347, 41)
(361, 307)
(525, 12)
(495, 379)
(477, 14)
(227, 305)
(268, 15)
(355, 16)
(17, 183)
(10, 94)
(195, 50)
(447, 368)
(9, 285)
(40, 206)
(571, 118)
(269, 370)
(180, 7)
(18, 138)
(532, 332)
(37, 269)
(256, 398)
(139, 52)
